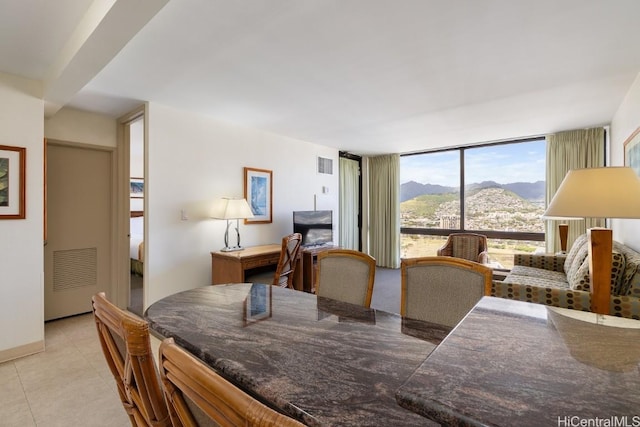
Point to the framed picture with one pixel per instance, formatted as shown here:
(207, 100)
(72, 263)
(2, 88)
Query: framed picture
(136, 188)
(258, 191)
(13, 166)
(632, 151)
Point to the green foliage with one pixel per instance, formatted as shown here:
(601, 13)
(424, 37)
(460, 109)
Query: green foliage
(425, 206)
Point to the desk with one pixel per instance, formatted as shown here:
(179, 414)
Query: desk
(317, 360)
(511, 363)
(232, 267)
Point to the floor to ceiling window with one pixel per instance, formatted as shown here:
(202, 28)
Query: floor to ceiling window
(495, 189)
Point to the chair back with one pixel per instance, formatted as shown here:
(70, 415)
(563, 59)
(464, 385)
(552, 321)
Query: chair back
(199, 396)
(470, 246)
(346, 275)
(442, 290)
(127, 347)
(288, 260)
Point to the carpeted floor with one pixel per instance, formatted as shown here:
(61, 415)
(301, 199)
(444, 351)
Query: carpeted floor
(386, 290)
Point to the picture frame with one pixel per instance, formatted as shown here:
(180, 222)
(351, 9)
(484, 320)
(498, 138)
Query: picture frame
(632, 151)
(13, 165)
(258, 191)
(136, 188)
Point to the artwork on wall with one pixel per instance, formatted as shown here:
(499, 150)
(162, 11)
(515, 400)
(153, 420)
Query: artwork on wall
(258, 191)
(136, 188)
(12, 182)
(632, 151)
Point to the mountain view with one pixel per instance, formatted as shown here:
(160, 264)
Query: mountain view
(507, 207)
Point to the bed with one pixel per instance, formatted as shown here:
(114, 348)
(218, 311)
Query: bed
(136, 242)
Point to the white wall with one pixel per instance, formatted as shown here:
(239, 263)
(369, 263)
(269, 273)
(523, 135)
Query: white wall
(82, 127)
(21, 241)
(624, 122)
(192, 161)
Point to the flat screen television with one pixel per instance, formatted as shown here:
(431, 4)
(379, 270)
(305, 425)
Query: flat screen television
(316, 227)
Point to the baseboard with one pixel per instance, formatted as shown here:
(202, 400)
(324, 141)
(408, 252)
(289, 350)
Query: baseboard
(21, 351)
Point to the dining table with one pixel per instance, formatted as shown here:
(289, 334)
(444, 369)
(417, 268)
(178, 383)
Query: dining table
(514, 363)
(320, 361)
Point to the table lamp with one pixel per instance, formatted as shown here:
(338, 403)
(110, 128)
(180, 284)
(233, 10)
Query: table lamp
(230, 209)
(607, 192)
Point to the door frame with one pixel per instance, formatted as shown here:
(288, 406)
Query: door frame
(122, 274)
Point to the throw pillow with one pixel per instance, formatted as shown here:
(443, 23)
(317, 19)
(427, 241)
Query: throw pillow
(577, 254)
(580, 281)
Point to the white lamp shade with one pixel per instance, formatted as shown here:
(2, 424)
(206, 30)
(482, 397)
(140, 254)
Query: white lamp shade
(227, 208)
(609, 192)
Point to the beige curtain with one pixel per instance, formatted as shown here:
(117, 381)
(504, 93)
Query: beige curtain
(384, 210)
(349, 197)
(576, 149)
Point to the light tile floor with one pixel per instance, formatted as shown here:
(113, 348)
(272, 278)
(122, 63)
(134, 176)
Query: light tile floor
(69, 384)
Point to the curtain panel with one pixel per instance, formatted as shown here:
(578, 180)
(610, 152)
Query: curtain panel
(349, 196)
(384, 210)
(576, 149)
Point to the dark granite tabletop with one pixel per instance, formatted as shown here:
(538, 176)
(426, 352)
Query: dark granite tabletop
(317, 360)
(511, 363)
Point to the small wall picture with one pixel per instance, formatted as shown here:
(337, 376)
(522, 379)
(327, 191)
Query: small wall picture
(632, 151)
(136, 188)
(258, 191)
(12, 182)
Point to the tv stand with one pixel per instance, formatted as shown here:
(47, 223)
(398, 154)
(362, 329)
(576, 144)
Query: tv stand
(309, 265)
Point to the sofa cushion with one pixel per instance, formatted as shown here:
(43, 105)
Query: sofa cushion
(581, 281)
(536, 281)
(631, 278)
(579, 256)
(523, 270)
(576, 254)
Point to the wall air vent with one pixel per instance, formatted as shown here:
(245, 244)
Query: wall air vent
(75, 268)
(325, 165)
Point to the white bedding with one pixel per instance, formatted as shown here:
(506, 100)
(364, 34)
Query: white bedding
(136, 230)
(134, 242)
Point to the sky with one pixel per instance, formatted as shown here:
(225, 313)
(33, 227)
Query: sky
(503, 163)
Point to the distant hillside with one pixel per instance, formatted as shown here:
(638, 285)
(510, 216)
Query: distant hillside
(533, 191)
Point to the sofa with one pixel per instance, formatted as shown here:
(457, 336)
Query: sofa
(562, 280)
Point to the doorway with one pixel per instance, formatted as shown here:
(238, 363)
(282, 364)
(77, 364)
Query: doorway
(135, 132)
(78, 250)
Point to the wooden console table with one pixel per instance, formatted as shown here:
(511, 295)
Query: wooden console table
(231, 267)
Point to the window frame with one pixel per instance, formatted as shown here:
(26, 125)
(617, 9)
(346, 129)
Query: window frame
(491, 234)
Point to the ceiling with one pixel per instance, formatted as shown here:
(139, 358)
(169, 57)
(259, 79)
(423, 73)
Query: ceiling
(364, 76)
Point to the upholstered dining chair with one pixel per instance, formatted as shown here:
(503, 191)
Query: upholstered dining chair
(199, 396)
(288, 260)
(442, 290)
(126, 345)
(346, 275)
(470, 246)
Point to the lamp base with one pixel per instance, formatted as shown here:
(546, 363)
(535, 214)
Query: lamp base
(600, 249)
(232, 249)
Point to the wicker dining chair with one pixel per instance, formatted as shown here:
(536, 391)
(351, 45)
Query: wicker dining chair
(199, 396)
(126, 345)
(442, 290)
(288, 260)
(346, 275)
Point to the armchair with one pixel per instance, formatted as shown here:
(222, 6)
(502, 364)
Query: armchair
(469, 246)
